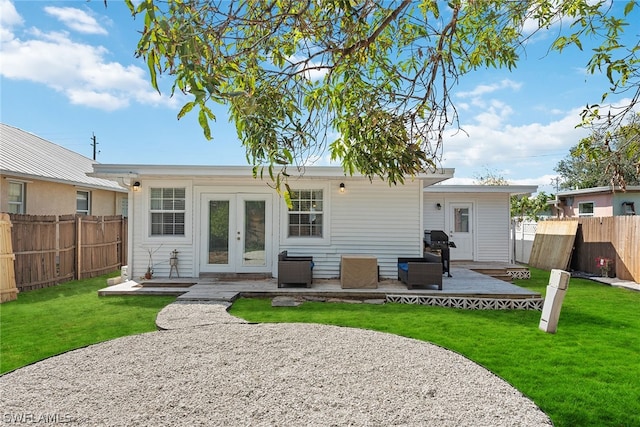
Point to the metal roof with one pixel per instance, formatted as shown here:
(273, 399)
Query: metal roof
(25, 155)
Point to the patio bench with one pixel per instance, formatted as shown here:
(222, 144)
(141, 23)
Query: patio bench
(294, 270)
(419, 272)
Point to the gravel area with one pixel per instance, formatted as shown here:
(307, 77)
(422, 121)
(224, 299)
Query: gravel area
(210, 368)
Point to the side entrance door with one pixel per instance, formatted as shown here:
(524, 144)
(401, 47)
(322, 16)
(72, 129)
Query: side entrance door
(235, 233)
(460, 227)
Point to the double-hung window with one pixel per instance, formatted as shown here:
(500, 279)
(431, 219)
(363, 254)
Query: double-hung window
(585, 208)
(16, 197)
(306, 214)
(167, 211)
(83, 202)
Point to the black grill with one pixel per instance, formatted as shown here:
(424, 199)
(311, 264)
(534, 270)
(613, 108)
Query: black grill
(437, 241)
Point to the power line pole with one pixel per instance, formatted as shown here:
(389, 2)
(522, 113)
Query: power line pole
(94, 144)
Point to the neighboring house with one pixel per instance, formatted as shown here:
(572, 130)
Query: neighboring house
(38, 177)
(597, 202)
(475, 217)
(222, 220)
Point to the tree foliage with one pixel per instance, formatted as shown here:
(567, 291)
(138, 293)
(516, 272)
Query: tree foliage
(530, 207)
(604, 158)
(521, 207)
(490, 177)
(369, 80)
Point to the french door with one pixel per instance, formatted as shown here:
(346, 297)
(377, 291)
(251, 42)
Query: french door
(235, 233)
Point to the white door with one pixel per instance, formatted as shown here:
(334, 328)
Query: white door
(460, 227)
(236, 233)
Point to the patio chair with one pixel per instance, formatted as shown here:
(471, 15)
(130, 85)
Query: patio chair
(419, 273)
(294, 270)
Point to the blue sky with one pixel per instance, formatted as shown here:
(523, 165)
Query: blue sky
(68, 72)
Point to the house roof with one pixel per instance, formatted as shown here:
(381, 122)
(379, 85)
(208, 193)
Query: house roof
(512, 190)
(128, 173)
(25, 155)
(594, 190)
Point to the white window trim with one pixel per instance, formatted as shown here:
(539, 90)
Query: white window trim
(326, 212)
(23, 196)
(145, 193)
(581, 215)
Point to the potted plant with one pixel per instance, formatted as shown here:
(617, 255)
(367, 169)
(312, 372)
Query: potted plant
(149, 274)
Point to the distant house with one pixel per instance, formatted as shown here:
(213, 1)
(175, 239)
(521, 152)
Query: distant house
(477, 218)
(38, 177)
(597, 202)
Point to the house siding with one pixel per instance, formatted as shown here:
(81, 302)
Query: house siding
(492, 228)
(607, 201)
(370, 218)
(490, 221)
(54, 198)
(376, 219)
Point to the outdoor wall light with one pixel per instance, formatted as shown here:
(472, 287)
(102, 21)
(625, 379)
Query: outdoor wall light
(438, 206)
(342, 187)
(136, 186)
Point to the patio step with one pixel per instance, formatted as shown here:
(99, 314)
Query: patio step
(167, 283)
(231, 277)
(498, 273)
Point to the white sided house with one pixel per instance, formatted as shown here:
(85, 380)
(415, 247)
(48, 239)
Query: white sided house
(475, 217)
(222, 220)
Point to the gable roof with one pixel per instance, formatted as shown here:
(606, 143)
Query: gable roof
(25, 155)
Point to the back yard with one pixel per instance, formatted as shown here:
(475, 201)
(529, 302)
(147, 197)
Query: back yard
(586, 374)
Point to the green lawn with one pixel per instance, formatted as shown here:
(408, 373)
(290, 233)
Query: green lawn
(587, 374)
(49, 321)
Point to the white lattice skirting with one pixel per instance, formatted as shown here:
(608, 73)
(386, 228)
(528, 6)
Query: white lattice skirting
(470, 303)
(519, 274)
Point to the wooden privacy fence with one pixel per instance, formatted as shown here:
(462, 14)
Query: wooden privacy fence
(8, 290)
(51, 249)
(615, 238)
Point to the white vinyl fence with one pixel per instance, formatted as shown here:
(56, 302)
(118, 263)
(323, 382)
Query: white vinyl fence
(522, 235)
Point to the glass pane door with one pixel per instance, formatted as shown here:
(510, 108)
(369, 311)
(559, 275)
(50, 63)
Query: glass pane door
(236, 233)
(218, 232)
(253, 252)
(461, 223)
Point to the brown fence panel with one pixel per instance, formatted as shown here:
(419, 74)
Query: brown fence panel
(50, 250)
(616, 238)
(100, 240)
(627, 242)
(34, 244)
(66, 247)
(594, 239)
(8, 290)
(552, 244)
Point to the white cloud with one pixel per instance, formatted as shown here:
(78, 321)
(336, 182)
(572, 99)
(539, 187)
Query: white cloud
(76, 19)
(513, 152)
(78, 70)
(9, 18)
(106, 100)
(485, 89)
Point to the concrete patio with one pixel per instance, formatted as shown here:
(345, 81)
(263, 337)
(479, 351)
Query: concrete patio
(466, 289)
